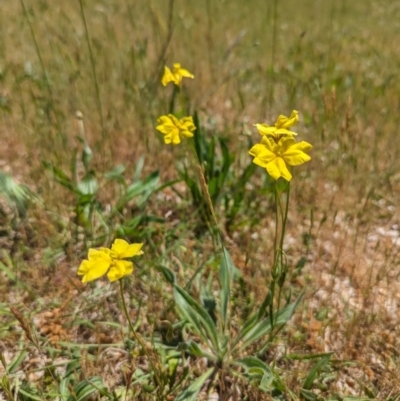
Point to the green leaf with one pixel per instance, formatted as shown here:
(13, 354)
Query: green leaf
(17, 195)
(17, 360)
(116, 174)
(140, 188)
(139, 168)
(308, 395)
(194, 349)
(86, 388)
(314, 372)
(30, 396)
(257, 372)
(59, 176)
(63, 388)
(87, 156)
(167, 273)
(225, 277)
(263, 327)
(265, 304)
(253, 320)
(190, 393)
(88, 185)
(301, 357)
(197, 316)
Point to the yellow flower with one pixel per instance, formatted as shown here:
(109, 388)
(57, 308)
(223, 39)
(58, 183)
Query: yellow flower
(175, 75)
(280, 128)
(175, 129)
(109, 261)
(275, 157)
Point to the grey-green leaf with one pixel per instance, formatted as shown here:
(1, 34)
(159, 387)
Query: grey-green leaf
(190, 393)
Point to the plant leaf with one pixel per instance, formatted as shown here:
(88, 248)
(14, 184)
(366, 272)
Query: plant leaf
(194, 349)
(314, 372)
(17, 195)
(197, 316)
(84, 389)
(263, 327)
(257, 372)
(226, 270)
(191, 392)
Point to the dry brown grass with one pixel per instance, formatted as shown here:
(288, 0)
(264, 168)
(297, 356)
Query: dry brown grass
(336, 63)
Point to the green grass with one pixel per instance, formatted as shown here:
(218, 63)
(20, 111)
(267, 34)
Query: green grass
(335, 62)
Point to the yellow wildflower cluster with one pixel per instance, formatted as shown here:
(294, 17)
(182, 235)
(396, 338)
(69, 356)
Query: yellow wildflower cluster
(278, 149)
(109, 261)
(175, 75)
(171, 127)
(175, 129)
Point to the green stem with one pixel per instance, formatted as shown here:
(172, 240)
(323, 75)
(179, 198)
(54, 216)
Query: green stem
(203, 184)
(276, 224)
(133, 331)
(273, 50)
(284, 220)
(181, 101)
(96, 82)
(278, 252)
(275, 262)
(285, 216)
(217, 231)
(44, 71)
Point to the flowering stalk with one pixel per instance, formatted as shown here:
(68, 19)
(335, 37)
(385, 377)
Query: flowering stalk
(133, 331)
(112, 262)
(176, 76)
(277, 152)
(279, 267)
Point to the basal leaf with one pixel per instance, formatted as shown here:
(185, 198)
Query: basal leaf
(198, 316)
(190, 393)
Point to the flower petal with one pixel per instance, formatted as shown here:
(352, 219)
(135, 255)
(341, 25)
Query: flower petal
(120, 269)
(181, 72)
(185, 73)
(292, 120)
(167, 77)
(263, 158)
(284, 122)
(99, 254)
(295, 155)
(277, 168)
(265, 129)
(93, 269)
(256, 149)
(284, 131)
(123, 249)
(175, 129)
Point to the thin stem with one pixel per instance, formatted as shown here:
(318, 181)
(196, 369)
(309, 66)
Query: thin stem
(204, 186)
(218, 232)
(278, 252)
(276, 222)
(44, 71)
(273, 50)
(181, 101)
(284, 220)
(96, 82)
(162, 55)
(285, 215)
(273, 273)
(133, 331)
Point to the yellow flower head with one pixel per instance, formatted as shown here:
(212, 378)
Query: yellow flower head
(174, 129)
(175, 75)
(275, 157)
(109, 261)
(280, 128)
